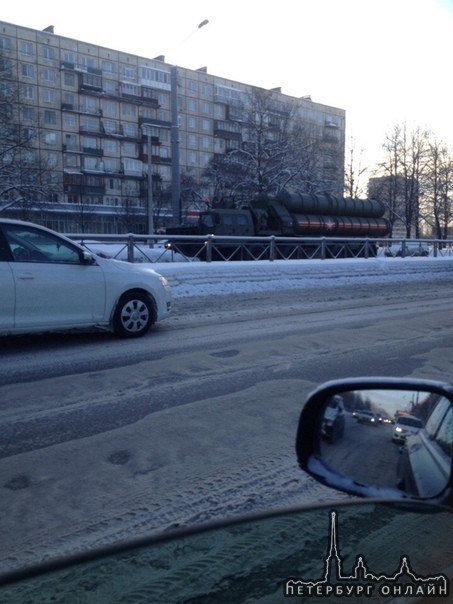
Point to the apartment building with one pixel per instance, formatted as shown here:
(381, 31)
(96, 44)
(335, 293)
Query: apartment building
(120, 132)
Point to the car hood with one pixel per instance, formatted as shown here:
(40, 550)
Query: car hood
(128, 267)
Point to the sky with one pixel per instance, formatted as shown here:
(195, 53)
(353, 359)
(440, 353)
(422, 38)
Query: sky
(385, 63)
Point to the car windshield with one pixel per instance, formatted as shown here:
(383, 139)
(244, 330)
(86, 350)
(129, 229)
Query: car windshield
(414, 422)
(251, 560)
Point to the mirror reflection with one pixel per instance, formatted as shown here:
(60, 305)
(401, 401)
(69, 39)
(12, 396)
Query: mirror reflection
(390, 439)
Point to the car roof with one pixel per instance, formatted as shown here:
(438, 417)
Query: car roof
(22, 222)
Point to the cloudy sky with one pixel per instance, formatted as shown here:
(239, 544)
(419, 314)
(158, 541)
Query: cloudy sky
(384, 62)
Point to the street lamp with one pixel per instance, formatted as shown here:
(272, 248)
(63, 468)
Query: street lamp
(175, 170)
(147, 128)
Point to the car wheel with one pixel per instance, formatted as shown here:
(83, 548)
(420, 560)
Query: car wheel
(133, 316)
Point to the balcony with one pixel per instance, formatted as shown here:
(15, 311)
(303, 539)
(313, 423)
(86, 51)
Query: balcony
(93, 151)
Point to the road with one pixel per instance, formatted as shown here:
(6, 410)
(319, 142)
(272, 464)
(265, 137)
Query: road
(103, 439)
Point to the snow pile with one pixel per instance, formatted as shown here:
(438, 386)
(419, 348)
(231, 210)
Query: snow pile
(226, 278)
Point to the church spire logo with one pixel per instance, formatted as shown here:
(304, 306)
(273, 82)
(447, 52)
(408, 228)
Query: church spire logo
(362, 581)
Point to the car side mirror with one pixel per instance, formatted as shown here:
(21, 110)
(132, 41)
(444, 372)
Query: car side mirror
(380, 437)
(86, 257)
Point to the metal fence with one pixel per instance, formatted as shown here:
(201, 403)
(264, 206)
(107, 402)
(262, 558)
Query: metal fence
(208, 248)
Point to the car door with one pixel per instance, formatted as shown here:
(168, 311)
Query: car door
(54, 287)
(7, 294)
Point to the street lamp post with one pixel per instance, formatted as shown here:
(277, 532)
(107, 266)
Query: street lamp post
(150, 183)
(175, 175)
(175, 170)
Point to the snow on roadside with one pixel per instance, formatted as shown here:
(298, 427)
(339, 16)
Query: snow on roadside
(226, 278)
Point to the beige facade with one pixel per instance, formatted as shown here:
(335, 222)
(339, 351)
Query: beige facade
(97, 110)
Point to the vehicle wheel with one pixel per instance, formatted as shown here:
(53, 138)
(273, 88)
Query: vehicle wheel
(133, 316)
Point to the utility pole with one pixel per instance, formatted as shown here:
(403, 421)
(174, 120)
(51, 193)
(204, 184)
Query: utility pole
(175, 169)
(150, 208)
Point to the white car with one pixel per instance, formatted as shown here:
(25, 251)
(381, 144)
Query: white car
(405, 425)
(49, 283)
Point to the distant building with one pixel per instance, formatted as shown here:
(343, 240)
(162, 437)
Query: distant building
(105, 116)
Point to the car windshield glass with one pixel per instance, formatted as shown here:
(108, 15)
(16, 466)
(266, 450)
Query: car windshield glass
(254, 560)
(410, 421)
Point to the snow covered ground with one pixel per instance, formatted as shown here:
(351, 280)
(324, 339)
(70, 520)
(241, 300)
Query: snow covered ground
(132, 480)
(226, 278)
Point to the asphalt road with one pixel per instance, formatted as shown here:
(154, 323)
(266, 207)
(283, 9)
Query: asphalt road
(103, 438)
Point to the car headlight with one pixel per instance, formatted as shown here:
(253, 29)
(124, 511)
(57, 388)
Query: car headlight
(398, 429)
(163, 280)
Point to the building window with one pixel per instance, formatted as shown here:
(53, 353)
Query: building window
(130, 130)
(192, 123)
(49, 96)
(28, 92)
(90, 123)
(88, 105)
(26, 48)
(163, 116)
(128, 110)
(192, 105)
(112, 165)
(48, 52)
(90, 142)
(206, 125)
(109, 67)
(206, 108)
(219, 112)
(110, 146)
(129, 72)
(71, 142)
(48, 75)
(163, 99)
(110, 87)
(69, 100)
(52, 160)
(131, 89)
(206, 90)
(50, 138)
(70, 120)
(88, 62)
(129, 149)
(69, 78)
(5, 43)
(192, 86)
(27, 70)
(28, 114)
(69, 57)
(50, 117)
(110, 108)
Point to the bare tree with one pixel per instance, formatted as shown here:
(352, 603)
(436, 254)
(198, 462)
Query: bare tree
(437, 200)
(397, 179)
(25, 175)
(354, 174)
(276, 150)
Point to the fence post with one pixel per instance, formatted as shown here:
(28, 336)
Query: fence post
(367, 248)
(323, 248)
(435, 248)
(209, 248)
(130, 248)
(272, 249)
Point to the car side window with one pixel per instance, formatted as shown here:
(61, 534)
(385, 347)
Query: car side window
(33, 245)
(5, 253)
(436, 417)
(444, 436)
